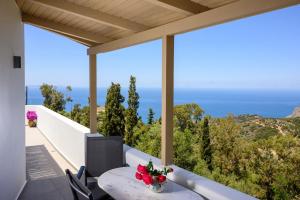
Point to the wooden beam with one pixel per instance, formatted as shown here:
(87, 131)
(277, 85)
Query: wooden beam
(93, 93)
(91, 14)
(229, 12)
(61, 28)
(167, 100)
(185, 6)
(76, 39)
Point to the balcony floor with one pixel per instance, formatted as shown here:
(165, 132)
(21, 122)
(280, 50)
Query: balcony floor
(44, 170)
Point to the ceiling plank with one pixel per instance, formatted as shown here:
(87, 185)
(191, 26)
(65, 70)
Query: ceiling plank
(66, 30)
(185, 6)
(229, 12)
(93, 15)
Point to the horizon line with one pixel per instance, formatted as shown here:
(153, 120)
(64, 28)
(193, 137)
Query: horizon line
(175, 88)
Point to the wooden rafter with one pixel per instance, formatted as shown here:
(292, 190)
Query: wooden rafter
(93, 15)
(76, 39)
(185, 6)
(66, 30)
(229, 12)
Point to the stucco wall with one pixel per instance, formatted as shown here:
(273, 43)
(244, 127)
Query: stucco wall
(12, 132)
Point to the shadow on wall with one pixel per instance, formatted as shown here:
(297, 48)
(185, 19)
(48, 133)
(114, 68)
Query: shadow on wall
(45, 179)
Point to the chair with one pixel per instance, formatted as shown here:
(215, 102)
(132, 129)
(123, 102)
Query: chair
(102, 154)
(80, 191)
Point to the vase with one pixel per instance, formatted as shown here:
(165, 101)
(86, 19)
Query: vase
(156, 186)
(32, 123)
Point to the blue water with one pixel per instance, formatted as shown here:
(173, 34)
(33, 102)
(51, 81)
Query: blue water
(218, 103)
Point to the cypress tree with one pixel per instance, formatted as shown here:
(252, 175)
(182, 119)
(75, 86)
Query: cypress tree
(132, 118)
(150, 116)
(206, 151)
(114, 121)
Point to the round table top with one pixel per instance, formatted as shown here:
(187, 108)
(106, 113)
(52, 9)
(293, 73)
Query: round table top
(121, 184)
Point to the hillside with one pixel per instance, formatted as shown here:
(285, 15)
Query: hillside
(256, 127)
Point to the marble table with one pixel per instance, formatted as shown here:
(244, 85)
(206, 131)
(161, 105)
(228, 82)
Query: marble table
(120, 183)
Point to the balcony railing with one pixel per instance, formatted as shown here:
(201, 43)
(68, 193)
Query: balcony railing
(68, 137)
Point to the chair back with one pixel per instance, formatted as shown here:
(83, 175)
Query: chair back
(103, 154)
(79, 191)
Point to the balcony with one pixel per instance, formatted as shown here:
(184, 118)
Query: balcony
(44, 169)
(49, 151)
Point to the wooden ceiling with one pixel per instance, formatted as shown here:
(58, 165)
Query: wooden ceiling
(94, 22)
(97, 22)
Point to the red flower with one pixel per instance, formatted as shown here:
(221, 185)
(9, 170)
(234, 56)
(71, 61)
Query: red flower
(142, 169)
(161, 178)
(147, 179)
(138, 176)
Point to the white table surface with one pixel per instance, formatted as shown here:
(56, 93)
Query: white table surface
(121, 184)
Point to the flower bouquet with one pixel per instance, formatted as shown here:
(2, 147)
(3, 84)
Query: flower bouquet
(32, 118)
(153, 178)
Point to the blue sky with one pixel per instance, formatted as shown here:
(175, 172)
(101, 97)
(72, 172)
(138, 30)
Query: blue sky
(260, 52)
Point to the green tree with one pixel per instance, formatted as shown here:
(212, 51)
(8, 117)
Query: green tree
(81, 115)
(183, 149)
(225, 134)
(187, 116)
(276, 161)
(139, 130)
(150, 142)
(114, 121)
(85, 116)
(75, 113)
(131, 118)
(53, 99)
(150, 116)
(100, 121)
(69, 98)
(47, 91)
(207, 152)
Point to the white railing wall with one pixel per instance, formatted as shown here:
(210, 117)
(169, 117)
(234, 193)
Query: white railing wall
(69, 139)
(66, 135)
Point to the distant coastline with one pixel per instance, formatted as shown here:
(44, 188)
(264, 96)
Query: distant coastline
(295, 113)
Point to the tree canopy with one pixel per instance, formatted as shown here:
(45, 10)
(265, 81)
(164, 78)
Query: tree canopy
(53, 99)
(131, 117)
(114, 121)
(187, 115)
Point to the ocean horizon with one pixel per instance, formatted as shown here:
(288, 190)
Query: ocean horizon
(215, 102)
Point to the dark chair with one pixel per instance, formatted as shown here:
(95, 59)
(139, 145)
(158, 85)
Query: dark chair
(80, 191)
(102, 154)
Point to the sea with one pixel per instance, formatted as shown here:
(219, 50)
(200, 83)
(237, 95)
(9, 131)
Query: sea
(215, 102)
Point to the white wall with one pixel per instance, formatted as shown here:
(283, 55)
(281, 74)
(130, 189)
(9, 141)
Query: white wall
(67, 136)
(12, 132)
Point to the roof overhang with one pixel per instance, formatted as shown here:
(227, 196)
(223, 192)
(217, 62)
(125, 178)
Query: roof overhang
(117, 25)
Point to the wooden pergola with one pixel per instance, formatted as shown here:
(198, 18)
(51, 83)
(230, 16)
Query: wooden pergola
(107, 25)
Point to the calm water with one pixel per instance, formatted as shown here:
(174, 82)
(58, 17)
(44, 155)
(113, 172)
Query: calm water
(218, 103)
